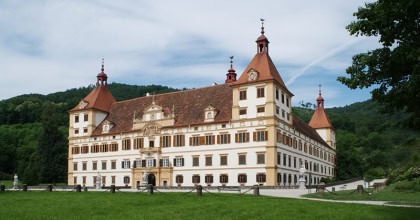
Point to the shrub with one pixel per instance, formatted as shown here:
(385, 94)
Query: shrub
(6, 176)
(374, 173)
(413, 185)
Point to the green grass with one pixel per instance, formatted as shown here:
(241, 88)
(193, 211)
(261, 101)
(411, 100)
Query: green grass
(387, 194)
(104, 205)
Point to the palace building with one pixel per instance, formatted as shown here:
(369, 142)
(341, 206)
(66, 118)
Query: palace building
(239, 133)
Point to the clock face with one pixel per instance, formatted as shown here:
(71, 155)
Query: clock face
(252, 75)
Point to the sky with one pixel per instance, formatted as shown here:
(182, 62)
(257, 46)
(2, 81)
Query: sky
(50, 46)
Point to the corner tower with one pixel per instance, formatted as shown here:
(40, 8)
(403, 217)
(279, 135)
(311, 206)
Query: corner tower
(321, 123)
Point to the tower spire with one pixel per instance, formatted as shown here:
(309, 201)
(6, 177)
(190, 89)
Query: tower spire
(102, 77)
(262, 25)
(231, 75)
(319, 88)
(319, 100)
(103, 66)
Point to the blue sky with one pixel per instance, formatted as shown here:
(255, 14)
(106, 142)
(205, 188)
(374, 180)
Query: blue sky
(49, 46)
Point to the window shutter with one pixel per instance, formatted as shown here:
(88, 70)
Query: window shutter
(174, 164)
(202, 140)
(254, 138)
(128, 164)
(143, 163)
(191, 141)
(169, 141)
(212, 139)
(218, 139)
(247, 137)
(154, 162)
(161, 142)
(182, 160)
(228, 138)
(266, 135)
(236, 137)
(122, 164)
(134, 164)
(175, 141)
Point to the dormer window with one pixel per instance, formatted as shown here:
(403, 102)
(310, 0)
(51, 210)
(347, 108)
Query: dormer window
(106, 127)
(209, 113)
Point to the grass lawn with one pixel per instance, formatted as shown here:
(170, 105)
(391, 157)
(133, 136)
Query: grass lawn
(387, 194)
(105, 205)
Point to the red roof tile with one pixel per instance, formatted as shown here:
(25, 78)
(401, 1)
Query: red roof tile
(100, 99)
(304, 128)
(320, 119)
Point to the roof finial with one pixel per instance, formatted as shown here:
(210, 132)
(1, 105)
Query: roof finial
(103, 61)
(231, 62)
(319, 90)
(262, 25)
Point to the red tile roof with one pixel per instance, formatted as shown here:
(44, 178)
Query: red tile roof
(100, 99)
(188, 107)
(263, 64)
(304, 128)
(320, 119)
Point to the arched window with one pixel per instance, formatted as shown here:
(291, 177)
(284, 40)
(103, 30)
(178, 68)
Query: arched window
(209, 115)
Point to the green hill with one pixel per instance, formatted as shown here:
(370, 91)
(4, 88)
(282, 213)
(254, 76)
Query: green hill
(366, 139)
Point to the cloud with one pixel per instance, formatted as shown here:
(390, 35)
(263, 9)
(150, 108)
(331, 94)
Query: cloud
(48, 46)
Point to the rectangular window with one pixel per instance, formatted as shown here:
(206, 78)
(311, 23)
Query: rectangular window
(277, 94)
(242, 159)
(287, 101)
(150, 163)
(94, 165)
(76, 131)
(208, 179)
(210, 139)
(261, 178)
(74, 166)
(284, 159)
(290, 161)
(282, 98)
(242, 178)
(242, 95)
(209, 160)
(277, 110)
(138, 143)
(126, 180)
(126, 144)
(85, 130)
(165, 162)
(85, 117)
(261, 109)
(125, 164)
(223, 160)
(75, 180)
(103, 180)
(242, 137)
(76, 119)
(278, 158)
(165, 141)
(84, 180)
(223, 139)
(113, 180)
(103, 165)
(260, 93)
(84, 166)
(283, 113)
(196, 161)
(179, 179)
(103, 148)
(75, 150)
(195, 141)
(179, 140)
(85, 149)
(178, 161)
(260, 135)
(151, 143)
(260, 158)
(196, 179)
(113, 165)
(113, 147)
(242, 111)
(224, 178)
(294, 162)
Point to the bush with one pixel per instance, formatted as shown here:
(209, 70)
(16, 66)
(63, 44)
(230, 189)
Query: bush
(413, 185)
(374, 173)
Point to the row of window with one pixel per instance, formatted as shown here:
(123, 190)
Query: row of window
(223, 178)
(85, 118)
(164, 162)
(312, 150)
(287, 162)
(77, 131)
(178, 141)
(126, 180)
(261, 93)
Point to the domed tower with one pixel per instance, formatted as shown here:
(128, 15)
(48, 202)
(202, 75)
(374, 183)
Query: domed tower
(321, 123)
(92, 109)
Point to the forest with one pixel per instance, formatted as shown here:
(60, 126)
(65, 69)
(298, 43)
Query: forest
(369, 142)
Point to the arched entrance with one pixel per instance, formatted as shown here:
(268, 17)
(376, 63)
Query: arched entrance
(151, 179)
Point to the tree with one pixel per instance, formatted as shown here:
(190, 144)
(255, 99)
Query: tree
(52, 148)
(394, 68)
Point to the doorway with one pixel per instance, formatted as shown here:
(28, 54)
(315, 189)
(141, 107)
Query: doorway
(151, 179)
